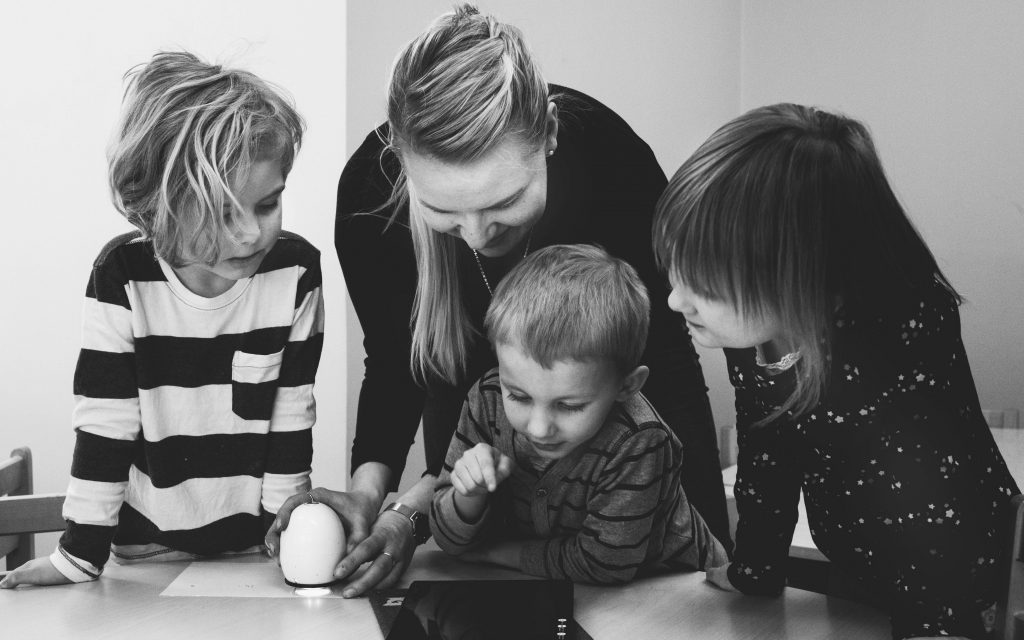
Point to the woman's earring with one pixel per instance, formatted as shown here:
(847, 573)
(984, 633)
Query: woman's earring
(551, 152)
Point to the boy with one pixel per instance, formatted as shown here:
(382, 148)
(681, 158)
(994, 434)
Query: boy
(201, 335)
(559, 466)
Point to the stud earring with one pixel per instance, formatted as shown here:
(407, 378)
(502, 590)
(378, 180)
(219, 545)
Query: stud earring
(551, 152)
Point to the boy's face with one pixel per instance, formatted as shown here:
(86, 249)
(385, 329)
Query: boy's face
(255, 230)
(560, 408)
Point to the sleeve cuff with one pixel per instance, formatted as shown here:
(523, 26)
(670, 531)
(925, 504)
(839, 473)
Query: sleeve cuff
(278, 487)
(757, 580)
(450, 526)
(72, 568)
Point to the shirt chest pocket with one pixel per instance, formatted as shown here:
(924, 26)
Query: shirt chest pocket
(256, 368)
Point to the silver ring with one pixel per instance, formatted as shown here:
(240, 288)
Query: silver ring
(312, 500)
(390, 557)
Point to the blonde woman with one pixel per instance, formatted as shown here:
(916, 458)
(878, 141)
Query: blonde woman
(480, 163)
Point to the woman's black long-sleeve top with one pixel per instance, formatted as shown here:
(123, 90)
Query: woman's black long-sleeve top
(603, 183)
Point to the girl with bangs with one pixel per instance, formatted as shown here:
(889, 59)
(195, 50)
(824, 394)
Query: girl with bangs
(785, 246)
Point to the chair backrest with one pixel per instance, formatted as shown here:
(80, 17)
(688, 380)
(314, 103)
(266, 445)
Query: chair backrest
(1002, 418)
(23, 514)
(1010, 606)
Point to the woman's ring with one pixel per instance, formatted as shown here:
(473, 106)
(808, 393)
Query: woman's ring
(390, 557)
(312, 500)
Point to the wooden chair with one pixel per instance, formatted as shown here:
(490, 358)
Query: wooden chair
(22, 514)
(1002, 418)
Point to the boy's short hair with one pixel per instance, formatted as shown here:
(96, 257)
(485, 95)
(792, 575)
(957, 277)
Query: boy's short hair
(188, 129)
(572, 302)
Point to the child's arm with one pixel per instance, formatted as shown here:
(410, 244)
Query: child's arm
(290, 442)
(767, 494)
(476, 475)
(459, 509)
(627, 512)
(107, 424)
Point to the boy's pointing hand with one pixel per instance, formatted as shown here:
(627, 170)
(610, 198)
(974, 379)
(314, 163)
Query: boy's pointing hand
(480, 470)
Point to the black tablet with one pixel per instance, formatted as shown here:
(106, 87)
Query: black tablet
(491, 609)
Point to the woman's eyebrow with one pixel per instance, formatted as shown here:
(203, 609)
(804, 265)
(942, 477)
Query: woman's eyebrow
(495, 205)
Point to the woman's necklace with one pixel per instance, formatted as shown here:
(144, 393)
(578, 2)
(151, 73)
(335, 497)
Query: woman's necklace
(487, 283)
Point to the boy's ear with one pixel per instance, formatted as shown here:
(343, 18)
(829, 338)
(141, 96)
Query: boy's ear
(633, 382)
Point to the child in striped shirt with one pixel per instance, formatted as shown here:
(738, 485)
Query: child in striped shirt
(201, 334)
(559, 466)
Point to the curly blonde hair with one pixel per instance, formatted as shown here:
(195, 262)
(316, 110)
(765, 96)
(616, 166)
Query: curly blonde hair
(187, 129)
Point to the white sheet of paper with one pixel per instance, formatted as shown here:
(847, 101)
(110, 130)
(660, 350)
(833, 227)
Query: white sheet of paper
(234, 580)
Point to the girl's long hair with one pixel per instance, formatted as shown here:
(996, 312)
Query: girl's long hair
(786, 213)
(456, 91)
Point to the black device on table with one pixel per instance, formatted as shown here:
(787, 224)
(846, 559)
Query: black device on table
(491, 609)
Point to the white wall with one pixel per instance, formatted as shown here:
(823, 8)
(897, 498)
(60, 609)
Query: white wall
(941, 85)
(62, 69)
(669, 67)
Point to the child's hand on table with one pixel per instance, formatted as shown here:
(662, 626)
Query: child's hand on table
(39, 571)
(719, 576)
(477, 473)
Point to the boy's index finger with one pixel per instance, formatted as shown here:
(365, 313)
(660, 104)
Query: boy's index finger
(504, 467)
(487, 470)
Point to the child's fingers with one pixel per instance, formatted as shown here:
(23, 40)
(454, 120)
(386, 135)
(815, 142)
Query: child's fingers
(471, 466)
(465, 480)
(719, 576)
(39, 571)
(459, 485)
(505, 465)
(488, 472)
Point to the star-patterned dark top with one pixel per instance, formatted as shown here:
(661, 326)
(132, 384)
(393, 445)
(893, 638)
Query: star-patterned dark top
(905, 490)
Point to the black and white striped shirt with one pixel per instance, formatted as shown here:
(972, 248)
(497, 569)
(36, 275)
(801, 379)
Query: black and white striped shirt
(193, 415)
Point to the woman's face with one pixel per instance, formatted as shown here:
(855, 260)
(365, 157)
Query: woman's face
(491, 203)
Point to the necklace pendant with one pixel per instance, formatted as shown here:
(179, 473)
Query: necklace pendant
(480, 266)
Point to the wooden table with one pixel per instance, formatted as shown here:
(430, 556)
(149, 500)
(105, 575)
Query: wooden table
(126, 603)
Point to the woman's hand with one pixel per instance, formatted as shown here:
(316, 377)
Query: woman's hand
(719, 576)
(388, 549)
(39, 571)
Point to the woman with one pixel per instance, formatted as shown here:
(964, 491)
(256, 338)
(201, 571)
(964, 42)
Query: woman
(481, 162)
